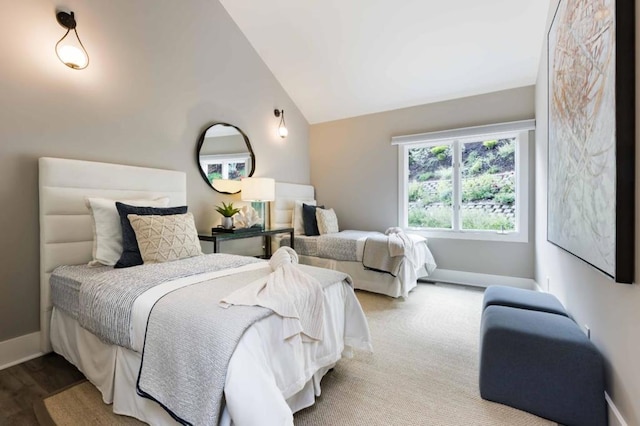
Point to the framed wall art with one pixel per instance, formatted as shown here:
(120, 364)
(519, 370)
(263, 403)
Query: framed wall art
(591, 157)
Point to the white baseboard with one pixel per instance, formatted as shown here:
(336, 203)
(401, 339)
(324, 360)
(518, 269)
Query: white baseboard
(538, 287)
(20, 349)
(479, 280)
(615, 418)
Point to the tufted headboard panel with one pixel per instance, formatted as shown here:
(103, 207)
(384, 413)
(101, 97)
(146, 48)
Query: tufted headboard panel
(66, 230)
(281, 210)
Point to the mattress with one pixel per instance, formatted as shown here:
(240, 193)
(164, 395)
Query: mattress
(305, 245)
(65, 286)
(279, 377)
(261, 373)
(345, 245)
(347, 255)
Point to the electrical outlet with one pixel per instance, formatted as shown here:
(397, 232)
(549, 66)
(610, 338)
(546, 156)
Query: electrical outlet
(587, 330)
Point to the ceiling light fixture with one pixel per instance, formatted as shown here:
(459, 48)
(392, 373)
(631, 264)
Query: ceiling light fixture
(282, 128)
(70, 49)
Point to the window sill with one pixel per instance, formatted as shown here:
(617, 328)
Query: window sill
(508, 237)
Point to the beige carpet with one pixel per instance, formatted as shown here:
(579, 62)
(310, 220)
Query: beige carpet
(424, 371)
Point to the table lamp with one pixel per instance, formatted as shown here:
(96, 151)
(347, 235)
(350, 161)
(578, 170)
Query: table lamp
(258, 190)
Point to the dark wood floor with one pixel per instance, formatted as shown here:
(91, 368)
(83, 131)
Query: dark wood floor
(23, 384)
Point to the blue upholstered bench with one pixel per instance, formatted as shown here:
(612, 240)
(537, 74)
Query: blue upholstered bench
(540, 362)
(524, 299)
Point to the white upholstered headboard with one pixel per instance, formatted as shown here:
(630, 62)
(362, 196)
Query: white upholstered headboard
(66, 231)
(281, 210)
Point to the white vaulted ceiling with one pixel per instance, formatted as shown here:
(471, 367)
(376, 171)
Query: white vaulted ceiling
(344, 58)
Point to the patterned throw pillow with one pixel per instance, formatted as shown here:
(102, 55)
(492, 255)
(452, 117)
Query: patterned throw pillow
(165, 238)
(130, 252)
(327, 221)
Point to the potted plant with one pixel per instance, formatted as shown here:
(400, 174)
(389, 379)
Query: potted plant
(227, 211)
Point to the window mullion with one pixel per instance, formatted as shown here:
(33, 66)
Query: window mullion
(225, 170)
(457, 188)
(403, 201)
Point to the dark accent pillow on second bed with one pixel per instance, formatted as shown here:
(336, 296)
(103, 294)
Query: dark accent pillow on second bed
(309, 219)
(130, 251)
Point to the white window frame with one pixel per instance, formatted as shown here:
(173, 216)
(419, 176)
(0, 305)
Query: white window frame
(518, 129)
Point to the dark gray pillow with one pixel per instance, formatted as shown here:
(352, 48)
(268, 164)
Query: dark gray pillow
(130, 251)
(309, 219)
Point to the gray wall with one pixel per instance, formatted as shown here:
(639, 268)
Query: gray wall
(161, 71)
(232, 144)
(355, 170)
(611, 310)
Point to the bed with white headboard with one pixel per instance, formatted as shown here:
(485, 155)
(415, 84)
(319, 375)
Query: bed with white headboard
(66, 238)
(66, 232)
(281, 213)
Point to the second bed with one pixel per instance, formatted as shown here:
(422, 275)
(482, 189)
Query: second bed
(352, 252)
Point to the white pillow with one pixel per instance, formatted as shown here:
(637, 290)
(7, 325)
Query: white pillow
(107, 231)
(327, 221)
(165, 238)
(296, 220)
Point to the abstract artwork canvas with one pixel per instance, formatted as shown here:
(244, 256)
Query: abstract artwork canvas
(591, 134)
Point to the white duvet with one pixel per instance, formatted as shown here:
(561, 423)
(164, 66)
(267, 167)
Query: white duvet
(268, 378)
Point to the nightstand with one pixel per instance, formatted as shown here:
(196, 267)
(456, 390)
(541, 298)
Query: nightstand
(216, 237)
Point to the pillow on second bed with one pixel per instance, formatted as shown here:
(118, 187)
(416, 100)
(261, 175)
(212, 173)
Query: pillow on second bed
(165, 238)
(130, 252)
(309, 219)
(297, 217)
(327, 221)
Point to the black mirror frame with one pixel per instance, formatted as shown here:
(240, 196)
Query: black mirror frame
(199, 146)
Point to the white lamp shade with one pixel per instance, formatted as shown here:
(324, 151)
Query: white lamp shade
(258, 189)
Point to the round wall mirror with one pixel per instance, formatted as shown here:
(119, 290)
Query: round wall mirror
(224, 156)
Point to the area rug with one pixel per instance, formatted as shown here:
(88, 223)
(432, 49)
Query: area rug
(424, 371)
(79, 404)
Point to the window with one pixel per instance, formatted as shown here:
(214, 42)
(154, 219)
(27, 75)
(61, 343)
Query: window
(225, 166)
(467, 183)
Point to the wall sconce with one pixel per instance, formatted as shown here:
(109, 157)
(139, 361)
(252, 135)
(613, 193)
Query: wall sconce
(282, 128)
(69, 48)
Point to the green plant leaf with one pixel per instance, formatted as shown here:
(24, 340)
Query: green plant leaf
(227, 210)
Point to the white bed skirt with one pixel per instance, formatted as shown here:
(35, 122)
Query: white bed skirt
(113, 370)
(366, 279)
